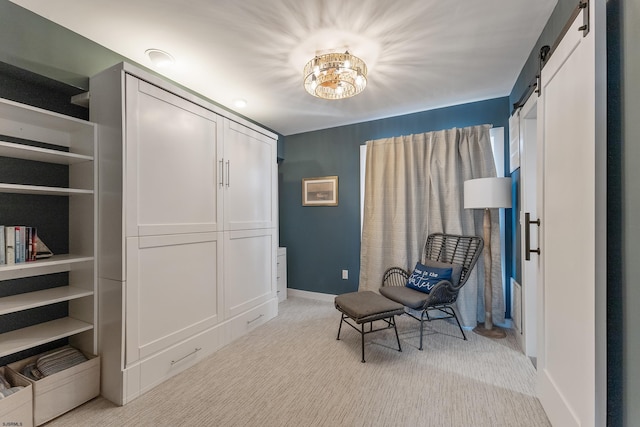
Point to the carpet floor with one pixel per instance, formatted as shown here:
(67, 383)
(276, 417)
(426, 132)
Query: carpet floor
(292, 371)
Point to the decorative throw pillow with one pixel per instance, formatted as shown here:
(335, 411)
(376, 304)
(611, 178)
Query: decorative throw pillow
(456, 269)
(424, 278)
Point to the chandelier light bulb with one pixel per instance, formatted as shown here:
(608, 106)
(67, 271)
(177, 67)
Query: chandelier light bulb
(335, 76)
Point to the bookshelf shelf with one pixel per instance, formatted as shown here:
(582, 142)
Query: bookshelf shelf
(29, 300)
(47, 262)
(26, 152)
(42, 333)
(41, 190)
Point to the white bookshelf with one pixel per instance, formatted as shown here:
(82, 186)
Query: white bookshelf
(72, 142)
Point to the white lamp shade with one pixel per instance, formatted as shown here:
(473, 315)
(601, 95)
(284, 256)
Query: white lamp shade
(485, 193)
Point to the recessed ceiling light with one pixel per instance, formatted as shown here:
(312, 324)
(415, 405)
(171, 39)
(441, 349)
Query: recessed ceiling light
(240, 103)
(160, 58)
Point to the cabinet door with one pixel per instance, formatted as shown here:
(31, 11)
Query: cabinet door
(171, 169)
(249, 269)
(250, 178)
(173, 290)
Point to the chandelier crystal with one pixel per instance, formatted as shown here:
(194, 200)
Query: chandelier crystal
(335, 76)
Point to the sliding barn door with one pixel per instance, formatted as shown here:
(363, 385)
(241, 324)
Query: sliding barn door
(571, 202)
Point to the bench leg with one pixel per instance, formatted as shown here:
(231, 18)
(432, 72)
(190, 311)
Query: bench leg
(393, 320)
(362, 333)
(340, 327)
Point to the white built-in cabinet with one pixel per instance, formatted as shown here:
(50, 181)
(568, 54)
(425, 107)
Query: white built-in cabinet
(187, 228)
(71, 142)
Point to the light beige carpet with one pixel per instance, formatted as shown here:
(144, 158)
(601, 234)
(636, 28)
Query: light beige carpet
(293, 372)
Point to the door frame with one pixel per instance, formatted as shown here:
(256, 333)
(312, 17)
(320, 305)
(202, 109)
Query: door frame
(528, 183)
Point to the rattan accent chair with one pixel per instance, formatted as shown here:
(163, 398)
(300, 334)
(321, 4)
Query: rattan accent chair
(458, 252)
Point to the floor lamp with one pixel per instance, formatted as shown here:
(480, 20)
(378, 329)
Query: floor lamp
(487, 193)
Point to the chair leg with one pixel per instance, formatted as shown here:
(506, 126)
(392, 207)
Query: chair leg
(421, 331)
(340, 327)
(459, 326)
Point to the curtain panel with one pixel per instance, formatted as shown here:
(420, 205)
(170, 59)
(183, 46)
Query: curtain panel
(414, 187)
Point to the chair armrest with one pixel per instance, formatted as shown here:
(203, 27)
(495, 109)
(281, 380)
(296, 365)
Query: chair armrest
(395, 276)
(442, 293)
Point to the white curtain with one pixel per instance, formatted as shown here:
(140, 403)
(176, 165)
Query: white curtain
(414, 187)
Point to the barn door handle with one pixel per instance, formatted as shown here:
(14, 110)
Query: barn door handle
(527, 235)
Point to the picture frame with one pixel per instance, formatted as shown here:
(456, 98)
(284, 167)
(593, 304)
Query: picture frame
(320, 191)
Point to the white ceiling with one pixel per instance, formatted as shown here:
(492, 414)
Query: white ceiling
(421, 54)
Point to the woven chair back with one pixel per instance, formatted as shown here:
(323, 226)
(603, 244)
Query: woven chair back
(454, 249)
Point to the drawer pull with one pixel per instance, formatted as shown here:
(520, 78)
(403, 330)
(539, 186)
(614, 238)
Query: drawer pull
(257, 318)
(173, 362)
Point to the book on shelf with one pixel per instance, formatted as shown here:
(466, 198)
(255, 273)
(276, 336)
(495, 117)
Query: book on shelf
(22, 244)
(10, 244)
(19, 241)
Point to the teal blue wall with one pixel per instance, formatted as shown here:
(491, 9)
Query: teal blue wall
(623, 187)
(322, 241)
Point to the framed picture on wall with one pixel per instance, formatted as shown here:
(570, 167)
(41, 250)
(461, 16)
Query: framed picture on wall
(321, 191)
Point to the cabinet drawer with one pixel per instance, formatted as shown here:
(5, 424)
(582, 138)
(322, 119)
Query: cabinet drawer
(176, 359)
(253, 318)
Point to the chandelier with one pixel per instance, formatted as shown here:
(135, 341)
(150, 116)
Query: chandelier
(335, 76)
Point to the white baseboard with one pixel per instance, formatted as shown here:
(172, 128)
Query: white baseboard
(310, 295)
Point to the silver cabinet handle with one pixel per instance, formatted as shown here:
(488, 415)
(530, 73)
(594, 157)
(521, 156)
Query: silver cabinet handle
(257, 318)
(228, 172)
(173, 362)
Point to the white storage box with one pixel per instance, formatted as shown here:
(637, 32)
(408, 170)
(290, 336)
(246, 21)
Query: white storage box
(60, 392)
(16, 409)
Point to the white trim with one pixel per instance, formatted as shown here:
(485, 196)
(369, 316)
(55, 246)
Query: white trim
(363, 168)
(310, 295)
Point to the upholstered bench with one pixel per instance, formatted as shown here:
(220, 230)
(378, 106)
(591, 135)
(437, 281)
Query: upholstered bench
(367, 307)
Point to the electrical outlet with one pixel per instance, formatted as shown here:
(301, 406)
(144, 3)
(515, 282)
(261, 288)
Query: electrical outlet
(345, 274)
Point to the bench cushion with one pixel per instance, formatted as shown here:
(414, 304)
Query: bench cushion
(367, 306)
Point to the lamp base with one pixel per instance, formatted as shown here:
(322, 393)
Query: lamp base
(489, 333)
